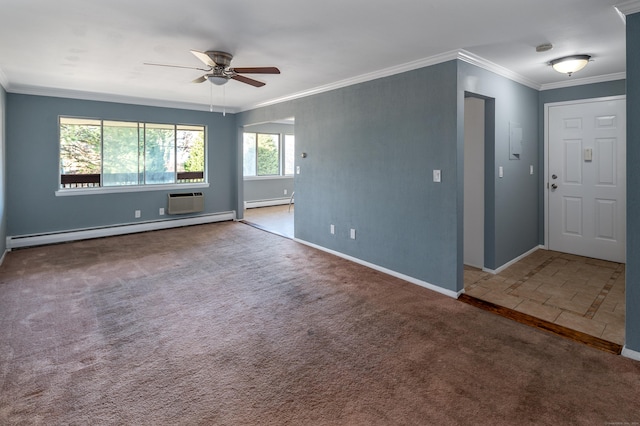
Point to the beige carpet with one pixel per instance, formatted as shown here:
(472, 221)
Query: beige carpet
(225, 324)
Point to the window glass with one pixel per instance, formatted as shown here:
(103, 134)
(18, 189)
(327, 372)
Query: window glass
(97, 153)
(268, 148)
(121, 164)
(249, 154)
(190, 153)
(289, 154)
(159, 155)
(80, 152)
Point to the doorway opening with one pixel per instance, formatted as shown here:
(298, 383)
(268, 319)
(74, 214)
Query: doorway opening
(474, 181)
(268, 162)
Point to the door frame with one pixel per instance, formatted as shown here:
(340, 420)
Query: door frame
(545, 180)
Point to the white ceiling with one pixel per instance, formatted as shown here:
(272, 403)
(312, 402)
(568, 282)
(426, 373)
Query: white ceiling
(97, 50)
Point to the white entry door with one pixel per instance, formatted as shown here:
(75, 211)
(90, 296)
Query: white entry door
(587, 179)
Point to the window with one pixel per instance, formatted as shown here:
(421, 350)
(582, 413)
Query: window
(265, 155)
(289, 154)
(102, 153)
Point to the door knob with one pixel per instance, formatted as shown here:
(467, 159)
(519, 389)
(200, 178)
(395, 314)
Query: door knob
(554, 177)
(554, 186)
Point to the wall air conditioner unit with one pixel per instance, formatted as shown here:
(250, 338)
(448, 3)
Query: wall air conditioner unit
(188, 202)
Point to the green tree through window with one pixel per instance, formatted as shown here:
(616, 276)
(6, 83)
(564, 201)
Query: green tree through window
(268, 154)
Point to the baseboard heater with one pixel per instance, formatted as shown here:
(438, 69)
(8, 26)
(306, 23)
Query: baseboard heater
(187, 202)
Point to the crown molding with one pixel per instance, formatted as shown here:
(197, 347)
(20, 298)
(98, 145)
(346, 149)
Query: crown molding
(628, 7)
(462, 55)
(586, 80)
(4, 81)
(385, 72)
(105, 97)
(480, 62)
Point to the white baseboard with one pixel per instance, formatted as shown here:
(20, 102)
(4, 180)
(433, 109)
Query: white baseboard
(18, 241)
(266, 203)
(378, 268)
(517, 259)
(626, 352)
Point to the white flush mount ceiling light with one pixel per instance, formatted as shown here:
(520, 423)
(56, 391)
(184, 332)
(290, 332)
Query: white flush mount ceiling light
(570, 64)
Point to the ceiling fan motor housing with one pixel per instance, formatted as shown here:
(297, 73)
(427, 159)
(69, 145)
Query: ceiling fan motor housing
(222, 59)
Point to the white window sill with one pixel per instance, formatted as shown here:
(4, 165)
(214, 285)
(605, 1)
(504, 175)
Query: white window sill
(132, 188)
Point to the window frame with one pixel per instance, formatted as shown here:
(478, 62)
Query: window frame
(281, 157)
(140, 187)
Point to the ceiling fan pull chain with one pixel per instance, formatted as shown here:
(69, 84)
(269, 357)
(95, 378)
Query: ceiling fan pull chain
(211, 98)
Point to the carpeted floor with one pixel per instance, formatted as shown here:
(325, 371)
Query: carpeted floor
(225, 324)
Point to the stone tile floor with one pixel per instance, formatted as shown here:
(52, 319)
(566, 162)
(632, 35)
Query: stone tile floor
(579, 293)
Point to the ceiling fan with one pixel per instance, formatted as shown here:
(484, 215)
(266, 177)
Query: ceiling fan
(219, 71)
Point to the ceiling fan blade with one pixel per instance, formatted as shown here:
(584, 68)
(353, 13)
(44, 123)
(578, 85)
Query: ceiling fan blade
(200, 79)
(257, 70)
(248, 80)
(204, 58)
(175, 66)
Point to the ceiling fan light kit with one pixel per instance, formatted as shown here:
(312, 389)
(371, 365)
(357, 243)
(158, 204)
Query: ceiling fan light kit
(218, 81)
(570, 64)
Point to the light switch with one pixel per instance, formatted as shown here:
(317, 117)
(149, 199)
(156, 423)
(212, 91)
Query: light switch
(297, 170)
(531, 169)
(436, 175)
(500, 171)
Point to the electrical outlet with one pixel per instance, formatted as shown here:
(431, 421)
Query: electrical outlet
(137, 214)
(332, 229)
(285, 192)
(297, 170)
(161, 211)
(437, 175)
(352, 234)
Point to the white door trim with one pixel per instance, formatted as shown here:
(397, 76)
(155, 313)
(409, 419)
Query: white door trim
(546, 151)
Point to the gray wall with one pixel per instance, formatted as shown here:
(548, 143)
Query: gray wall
(265, 188)
(633, 184)
(3, 162)
(32, 145)
(371, 150)
(511, 207)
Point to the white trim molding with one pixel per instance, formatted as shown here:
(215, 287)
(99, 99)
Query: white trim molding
(513, 261)
(378, 268)
(385, 72)
(267, 203)
(4, 81)
(476, 60)
(626, 352)
(108, 231)
(628, 7)
(107, 97)
(459, 54)
(583, 81)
